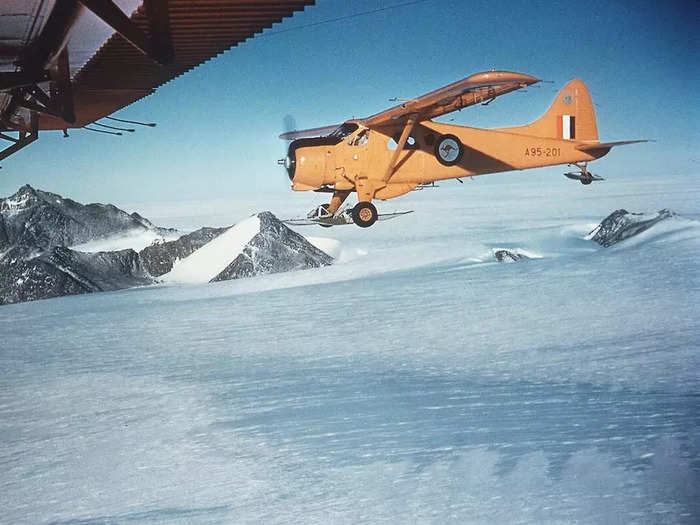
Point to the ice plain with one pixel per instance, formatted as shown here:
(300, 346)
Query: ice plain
(415, 381)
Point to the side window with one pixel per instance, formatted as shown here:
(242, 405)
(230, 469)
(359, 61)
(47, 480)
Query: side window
(394, 142)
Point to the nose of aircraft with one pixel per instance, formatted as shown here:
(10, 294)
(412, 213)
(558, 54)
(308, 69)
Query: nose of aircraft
(289, 163)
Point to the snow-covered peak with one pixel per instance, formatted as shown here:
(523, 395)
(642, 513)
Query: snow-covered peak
(24, 198)
(42, 219)
(24, 191)
(213, 258)
(259, 245)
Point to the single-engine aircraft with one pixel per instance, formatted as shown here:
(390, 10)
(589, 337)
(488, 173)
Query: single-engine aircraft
(402, 149)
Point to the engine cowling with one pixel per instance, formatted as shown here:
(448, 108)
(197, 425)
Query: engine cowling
(306, 163)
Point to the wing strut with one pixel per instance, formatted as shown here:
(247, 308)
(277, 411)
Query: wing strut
(410, 123)
(159, 47)
(23, 140)
(61, 89)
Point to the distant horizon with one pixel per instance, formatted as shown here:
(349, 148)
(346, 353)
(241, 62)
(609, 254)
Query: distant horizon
(217, 211)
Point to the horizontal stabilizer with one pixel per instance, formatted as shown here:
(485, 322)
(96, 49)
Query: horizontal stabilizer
(606, 145)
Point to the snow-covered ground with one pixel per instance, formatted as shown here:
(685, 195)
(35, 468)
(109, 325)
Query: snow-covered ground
(415, 381)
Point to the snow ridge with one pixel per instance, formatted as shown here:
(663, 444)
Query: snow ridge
(212, 258)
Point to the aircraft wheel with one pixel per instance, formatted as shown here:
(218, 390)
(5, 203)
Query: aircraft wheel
(586, 179)
(364, 214)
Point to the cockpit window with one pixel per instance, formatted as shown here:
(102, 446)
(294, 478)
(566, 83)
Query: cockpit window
(333, 138)
(344, 130)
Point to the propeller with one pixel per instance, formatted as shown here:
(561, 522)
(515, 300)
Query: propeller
(289, 124)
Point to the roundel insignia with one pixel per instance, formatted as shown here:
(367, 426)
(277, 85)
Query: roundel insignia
(568, 99)
(448, 150)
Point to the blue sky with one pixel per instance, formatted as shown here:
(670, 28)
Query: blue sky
(218, 125)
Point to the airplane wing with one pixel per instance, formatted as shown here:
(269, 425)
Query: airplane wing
(50, 81)
(475, 89)
(119, 74)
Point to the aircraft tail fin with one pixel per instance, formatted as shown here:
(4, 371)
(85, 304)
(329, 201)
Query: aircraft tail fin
(571, 116)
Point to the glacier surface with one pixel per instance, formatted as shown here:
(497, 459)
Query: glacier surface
(416, 380)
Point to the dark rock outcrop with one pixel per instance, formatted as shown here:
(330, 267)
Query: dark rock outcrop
(36, 228)
(276, 248)
(27, 273)
(621, 225)
(508, 256)
(41, 219)
(100, 271)
(144, 221)
(158, 259)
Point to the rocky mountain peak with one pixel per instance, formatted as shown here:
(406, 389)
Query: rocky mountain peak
(22, 199)
(42, 219)
(38, 228)
(621, 225)
(275, 248)
(143, 220)
(25, 190)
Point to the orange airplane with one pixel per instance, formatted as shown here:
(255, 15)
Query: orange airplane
(401, 149)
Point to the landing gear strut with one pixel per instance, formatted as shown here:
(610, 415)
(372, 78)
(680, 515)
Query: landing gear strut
(364, 214)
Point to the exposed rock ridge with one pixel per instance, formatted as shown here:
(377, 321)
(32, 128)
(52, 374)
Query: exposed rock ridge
(509, 256)
(39, 218)
(621, 225)
(36, 228)
(27, 275)
(158, 259)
